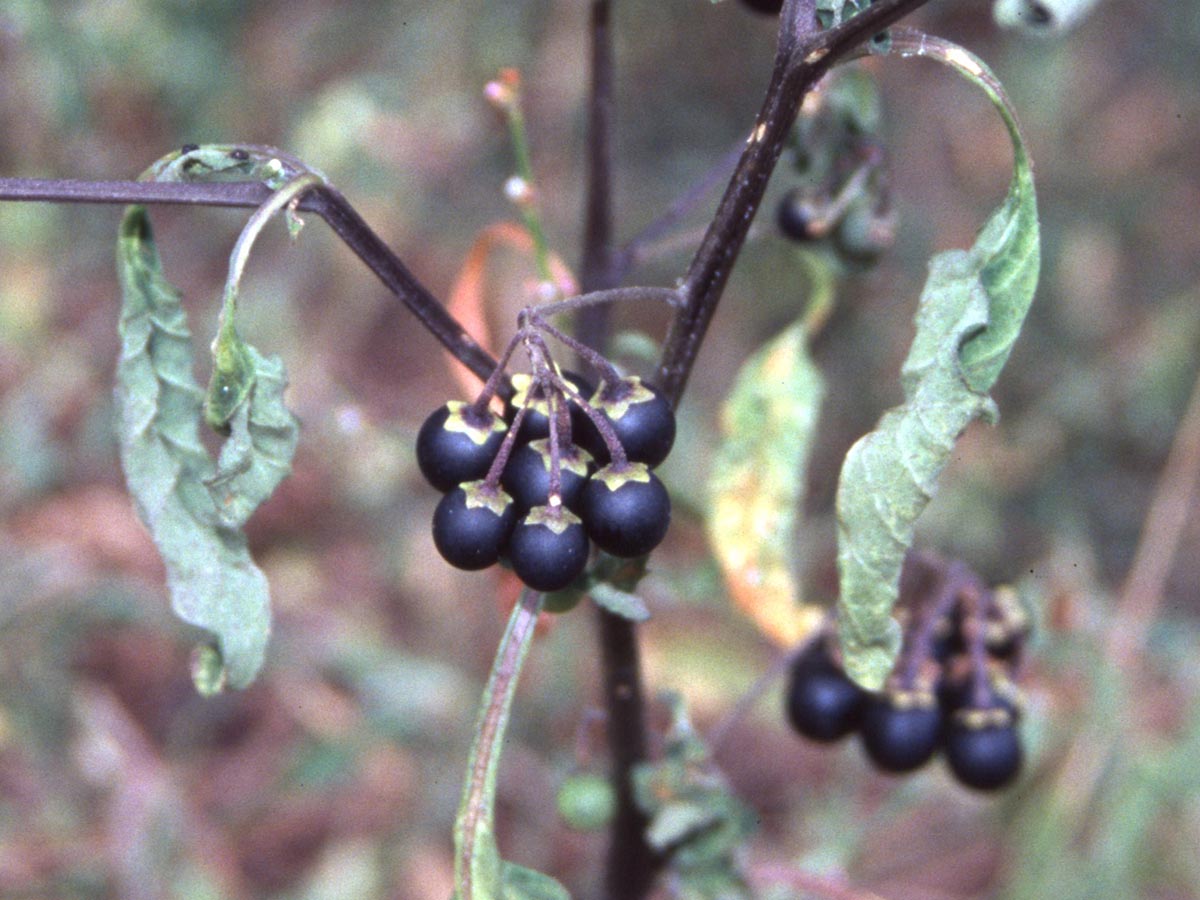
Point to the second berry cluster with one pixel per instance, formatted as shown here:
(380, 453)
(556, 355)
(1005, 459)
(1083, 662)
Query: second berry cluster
(953, 690)
(567, 466)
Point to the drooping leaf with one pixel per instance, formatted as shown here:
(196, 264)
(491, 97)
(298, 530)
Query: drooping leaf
(1041, 17)
(968, 318)
(193, 509)
(757, 482)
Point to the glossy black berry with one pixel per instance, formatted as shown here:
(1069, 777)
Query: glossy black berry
(472, 524)
(640, 416)
(766, 7)
(627, 511)
(457, 443)
(527, 475)
(798, 217)
(901, 730)
(822, 703)
(983, 748)
(548, 548)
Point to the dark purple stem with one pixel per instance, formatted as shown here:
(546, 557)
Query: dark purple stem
(326, 202)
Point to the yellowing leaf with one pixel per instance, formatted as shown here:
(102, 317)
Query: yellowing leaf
(758, 481)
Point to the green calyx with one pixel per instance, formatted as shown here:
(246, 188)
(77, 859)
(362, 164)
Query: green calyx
(615, 400)
(576, 463)
(481, 495)
(616, 478)
(557, 518)
(463, 419)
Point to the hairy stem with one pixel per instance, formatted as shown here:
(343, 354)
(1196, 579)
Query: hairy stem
(474, 832)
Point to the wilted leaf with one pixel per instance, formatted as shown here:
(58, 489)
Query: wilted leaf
(969, 315)
(758, 480)
(192, 508)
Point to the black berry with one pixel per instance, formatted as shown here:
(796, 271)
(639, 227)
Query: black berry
(640, 416)
(457, 443)
(548, 548)
(983, 748)
(798, 217)
(472, 524)
(527, 475)
(822, 703)
(627, 511)
(900, 730)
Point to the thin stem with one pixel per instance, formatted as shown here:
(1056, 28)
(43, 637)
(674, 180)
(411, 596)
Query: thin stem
(633, 250)
(1173, 501)
(474, 829)
(802, 57)
(325, 201)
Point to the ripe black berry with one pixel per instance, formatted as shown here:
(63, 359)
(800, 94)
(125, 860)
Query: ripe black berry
(457, 443)
(900, 730)
(548, 548)
(641, 417)
(472, 524)
(822, 703)
(983, 748)
(527, 475)
(627, 511)
(797, 217)
(766, 7)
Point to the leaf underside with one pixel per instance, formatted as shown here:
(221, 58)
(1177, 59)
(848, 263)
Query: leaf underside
(969, 316)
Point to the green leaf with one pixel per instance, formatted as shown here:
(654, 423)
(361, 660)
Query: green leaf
(620, 603)
(1041, 17)
(757, 481)
(214, 584)
(968, 318)
(520, 883)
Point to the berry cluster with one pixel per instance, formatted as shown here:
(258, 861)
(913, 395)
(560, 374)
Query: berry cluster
(567, 466)
(952, 690)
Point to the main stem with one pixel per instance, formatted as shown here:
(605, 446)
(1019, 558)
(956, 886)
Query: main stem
(632, 863)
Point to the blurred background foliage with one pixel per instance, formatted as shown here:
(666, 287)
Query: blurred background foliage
(338, 773)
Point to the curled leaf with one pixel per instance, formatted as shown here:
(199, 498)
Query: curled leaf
(757, 482)
(968, 318)
(213, 582)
